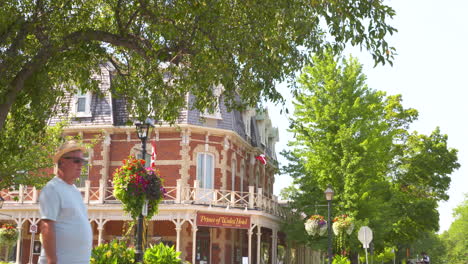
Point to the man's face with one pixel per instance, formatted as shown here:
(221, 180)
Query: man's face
(71, 164)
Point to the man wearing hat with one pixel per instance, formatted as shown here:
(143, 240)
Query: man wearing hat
(65, 229)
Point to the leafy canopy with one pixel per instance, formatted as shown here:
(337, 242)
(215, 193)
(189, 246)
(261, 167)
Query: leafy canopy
(161, 50)
(244, 45)
(456, 238)
(358, 140)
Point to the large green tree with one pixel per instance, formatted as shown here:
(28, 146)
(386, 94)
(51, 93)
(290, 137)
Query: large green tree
(160, 50)
(456, 238)
(358, 140)
(432, 244)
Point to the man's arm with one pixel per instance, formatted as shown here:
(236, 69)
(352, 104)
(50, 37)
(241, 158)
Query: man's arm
(48, 240)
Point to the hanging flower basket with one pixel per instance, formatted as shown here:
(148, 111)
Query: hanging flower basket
(316, 225)
(8, 235)
(134, 184)
(343, 224)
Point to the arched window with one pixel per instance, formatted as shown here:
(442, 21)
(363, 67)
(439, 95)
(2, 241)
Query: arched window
(205, 170)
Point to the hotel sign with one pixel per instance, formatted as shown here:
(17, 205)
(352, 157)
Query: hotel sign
(228, 221)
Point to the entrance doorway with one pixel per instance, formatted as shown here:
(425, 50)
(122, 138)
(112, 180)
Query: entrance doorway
(203, 255)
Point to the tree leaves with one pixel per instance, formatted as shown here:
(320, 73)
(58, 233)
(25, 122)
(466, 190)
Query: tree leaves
(357, 140)
(162, 50)
(456, 238)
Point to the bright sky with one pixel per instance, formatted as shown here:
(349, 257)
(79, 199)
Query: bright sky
(429, 71)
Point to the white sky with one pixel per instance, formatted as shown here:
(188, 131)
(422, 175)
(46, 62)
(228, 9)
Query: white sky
(429, 71)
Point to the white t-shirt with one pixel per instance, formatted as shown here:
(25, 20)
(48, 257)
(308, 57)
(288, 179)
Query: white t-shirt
(62, 203)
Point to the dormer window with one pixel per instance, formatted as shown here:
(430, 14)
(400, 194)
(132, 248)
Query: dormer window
(247, 124)
(217, 90)
(82, 104)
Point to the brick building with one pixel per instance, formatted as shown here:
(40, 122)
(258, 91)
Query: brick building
(211, 176)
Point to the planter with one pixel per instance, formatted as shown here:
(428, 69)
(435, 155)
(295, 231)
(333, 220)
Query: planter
(343, 224)
(8, 235)
(316, 225)
(135, 185)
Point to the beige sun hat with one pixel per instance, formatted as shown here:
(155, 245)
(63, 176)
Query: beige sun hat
(66, 147)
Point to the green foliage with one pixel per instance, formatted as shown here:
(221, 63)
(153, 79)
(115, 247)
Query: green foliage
(432, 244)
(357, 140)
(8, 235)
(161, 254)
(133, 184)
(114, 253)
(26, 153)
(385, 256)
(456, 238)
(342, 226)
(31, 164)
(338, 259)
(158, 51)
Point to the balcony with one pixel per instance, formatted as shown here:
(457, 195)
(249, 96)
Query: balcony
(179, 194)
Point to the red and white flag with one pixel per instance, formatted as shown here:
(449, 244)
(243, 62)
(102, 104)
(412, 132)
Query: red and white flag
(262, 158)
(153, 154)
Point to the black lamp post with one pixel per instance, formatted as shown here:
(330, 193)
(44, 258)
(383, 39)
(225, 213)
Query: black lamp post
(143, 132)
(329, 196)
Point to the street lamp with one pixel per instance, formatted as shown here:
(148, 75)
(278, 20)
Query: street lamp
(329, 196)
(143, 132)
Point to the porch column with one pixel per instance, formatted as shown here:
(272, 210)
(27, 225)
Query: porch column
(178, 229)
(194, 242)
(178, 226)
(259, 238)
(100, 227)
(19, 226)
(250, 233)
(18, 243)
(274, 246)
(100, 230)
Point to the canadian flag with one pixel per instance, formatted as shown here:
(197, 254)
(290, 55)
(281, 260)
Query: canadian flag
(262, 158)
(153, 154)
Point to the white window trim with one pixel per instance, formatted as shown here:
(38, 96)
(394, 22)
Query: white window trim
(136, 152)
(242, 178)
(246, 118)
(87, 112)
(204, 170)
(80, 182)
(217, 90)
(233, 174)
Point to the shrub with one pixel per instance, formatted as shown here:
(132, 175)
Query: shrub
(161, 254)
(114, 253)
(338, 259)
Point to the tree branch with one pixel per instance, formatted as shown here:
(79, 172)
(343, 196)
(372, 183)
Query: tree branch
(15, 46)
(17, 83)
(130, 42)
(117, 16)
(130, 20)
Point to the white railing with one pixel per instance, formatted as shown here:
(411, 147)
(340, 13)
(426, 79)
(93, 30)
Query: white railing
(180, 194)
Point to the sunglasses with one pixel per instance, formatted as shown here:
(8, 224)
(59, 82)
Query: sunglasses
(76, 160)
